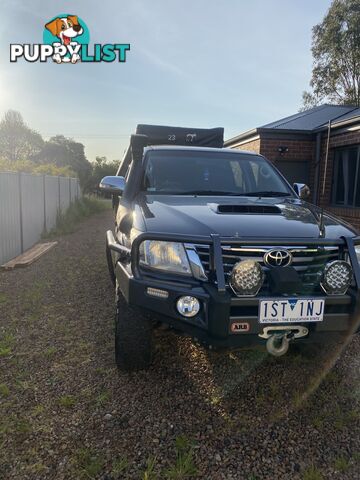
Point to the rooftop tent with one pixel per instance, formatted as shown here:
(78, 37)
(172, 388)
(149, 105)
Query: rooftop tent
(200, 137)
(162, 135)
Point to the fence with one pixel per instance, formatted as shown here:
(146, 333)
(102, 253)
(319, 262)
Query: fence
(29, 205)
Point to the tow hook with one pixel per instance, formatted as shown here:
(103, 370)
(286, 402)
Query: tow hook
(279, 337)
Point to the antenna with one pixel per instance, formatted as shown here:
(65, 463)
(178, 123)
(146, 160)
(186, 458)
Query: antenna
(326, 158)
(321, 222)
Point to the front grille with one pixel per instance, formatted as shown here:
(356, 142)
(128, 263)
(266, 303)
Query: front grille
(308, 261)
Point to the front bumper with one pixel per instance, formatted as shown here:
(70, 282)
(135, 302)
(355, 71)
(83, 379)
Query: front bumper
(220, 310)
(213, 324)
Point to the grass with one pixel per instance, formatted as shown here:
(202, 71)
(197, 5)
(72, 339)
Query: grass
(342, 418)
(149, 472)
(120, 465)
(102, 398)
(312, 473)
(356, 457)
(78, 211)
(6, 343)
(90, 465)
(341, 464)
(37, 467)
(184, 466)
(14, 424)
(67, 401)
(318, 422)
(3, 298)
(50, 351)
(338, 417)
(23, 426)
(38, 410)
(4, 390)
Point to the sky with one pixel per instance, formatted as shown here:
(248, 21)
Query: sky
(197, 63)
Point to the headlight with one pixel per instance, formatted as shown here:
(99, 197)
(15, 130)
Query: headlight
(246, 278)
(357, 250)
(166, 256)
(337, 277)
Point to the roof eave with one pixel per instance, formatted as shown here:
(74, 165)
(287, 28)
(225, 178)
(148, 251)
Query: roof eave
(241, 137)
(257, 131)
(339, 124)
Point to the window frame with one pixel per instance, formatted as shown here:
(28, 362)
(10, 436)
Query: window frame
(338, 152)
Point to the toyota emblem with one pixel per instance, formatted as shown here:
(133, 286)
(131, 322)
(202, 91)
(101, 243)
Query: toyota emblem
(277, 258)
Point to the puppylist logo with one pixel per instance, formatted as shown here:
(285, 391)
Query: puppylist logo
(66, 40)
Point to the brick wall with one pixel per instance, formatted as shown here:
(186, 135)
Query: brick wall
(351, 215)
(302, 147)
(297, 149)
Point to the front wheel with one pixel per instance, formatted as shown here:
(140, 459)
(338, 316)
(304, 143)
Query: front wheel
(133, 337)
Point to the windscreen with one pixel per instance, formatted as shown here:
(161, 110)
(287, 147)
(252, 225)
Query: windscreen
(191, 172)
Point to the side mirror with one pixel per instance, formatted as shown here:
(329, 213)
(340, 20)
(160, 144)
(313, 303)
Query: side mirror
(114, 185)
(302, 190)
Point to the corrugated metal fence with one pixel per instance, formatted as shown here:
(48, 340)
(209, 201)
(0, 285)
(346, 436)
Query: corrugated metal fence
(29, 205)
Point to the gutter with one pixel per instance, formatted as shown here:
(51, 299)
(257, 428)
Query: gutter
(246, 136)
(339, 124)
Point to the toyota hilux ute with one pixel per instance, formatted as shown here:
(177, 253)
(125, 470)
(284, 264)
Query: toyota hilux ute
(216, 244)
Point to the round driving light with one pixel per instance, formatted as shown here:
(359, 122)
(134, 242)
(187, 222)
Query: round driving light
(337, 277)
(188, 306)
(246, 278)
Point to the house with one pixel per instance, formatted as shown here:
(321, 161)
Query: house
(319, 147)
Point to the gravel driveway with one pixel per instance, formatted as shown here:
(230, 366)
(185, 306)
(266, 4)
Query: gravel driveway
(67, 413)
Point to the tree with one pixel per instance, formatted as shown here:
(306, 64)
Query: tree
(336, 56)
(31, 167)
(101, 168)
(17, 140)
(66, 152)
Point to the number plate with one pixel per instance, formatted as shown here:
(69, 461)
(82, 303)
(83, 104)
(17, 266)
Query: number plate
(291, 310)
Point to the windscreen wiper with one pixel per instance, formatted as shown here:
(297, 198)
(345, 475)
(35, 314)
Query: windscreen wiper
(268, 193)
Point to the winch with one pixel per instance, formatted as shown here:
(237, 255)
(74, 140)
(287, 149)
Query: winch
(279, 337)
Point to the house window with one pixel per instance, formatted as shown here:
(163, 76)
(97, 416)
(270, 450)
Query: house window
(346, 180)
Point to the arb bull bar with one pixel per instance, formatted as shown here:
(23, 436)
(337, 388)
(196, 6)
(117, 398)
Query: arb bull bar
(216, 296)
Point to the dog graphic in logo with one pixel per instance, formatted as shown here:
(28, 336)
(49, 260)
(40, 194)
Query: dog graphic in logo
(66, 29)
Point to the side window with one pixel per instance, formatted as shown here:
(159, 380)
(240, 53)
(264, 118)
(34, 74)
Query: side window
(346, 177)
